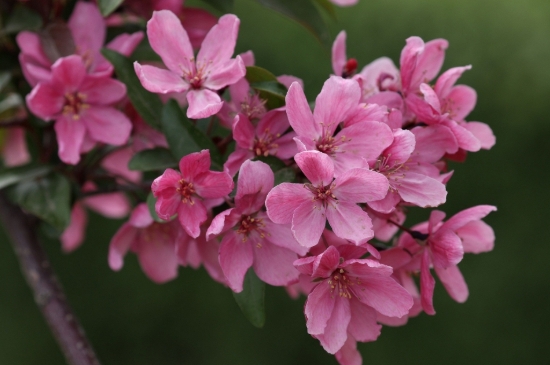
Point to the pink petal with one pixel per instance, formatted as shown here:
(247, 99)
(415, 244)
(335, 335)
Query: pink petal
(170, 41)
(33, 71)
(120, 244)
(467, 215)
(225, 74)
(335, 334)
(117, 161)
(318, 308)
(308, 222)
(287, 80)
(223, 222)
(164, 189)
(141, 217)
(453, 281)
(194, 164)
(273, 264)
(281, 235)
(350, 222)
(87, 27)
(107, 125)
(45, 101)
(338, 99)
(429, 62)
(299, 114)
(110, 205)
(209, 254)
(102, 91)
(15, 150)
(213, 184)
(197, 23)
(274, 122)
(255, 181)
(436, 217)
(427, 285)
(73, 236)
(236, 159)
(70, 134)
(317, 166)
(236, 257)
(219, 44)
(286, 146)
(157, 257)
(446, 81)
(125, 43)
(466, 140)
(284, 199)
(243, 131)
(477, 237)
(483, 133)
(325, 263)
(460, 102)
(446, 248)
(387, 204)
(408, 61)
(360, 186)
(421, 190)
(339, 57)
(68, 73)
(431, 97)
(432, 142)
(29, 44)
(401, 148)
(191, 216)
(363, 326)
(348, 354)
(367, 139)
(203, 103)
(158, 80)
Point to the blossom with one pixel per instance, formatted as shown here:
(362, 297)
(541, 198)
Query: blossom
(183, 192)
(153, 242)
(268, 138)
(349, 293)
(15, 151)
(199, 77)
(308, 206)
(81, 106)
(85, 17)
(250, 238)
(338, 101)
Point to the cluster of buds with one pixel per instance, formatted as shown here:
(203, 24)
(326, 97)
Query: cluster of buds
(376, 144)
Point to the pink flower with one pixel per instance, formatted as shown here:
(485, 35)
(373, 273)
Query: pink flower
(268, 138)
(183, 192)
(250, 238)
(338, 101)
(443, 244)
(350, 292)
(154, 243)
(308, 206)
(15, 151)
(81, 108)
(88, 32)
(200, 78)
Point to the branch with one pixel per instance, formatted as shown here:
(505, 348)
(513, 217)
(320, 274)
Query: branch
(47, 291)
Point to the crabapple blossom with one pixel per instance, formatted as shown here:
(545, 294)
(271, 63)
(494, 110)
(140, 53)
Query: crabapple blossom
(250, 238)
(81, 106)
(199, 77)
(308, 206)
(183, 192)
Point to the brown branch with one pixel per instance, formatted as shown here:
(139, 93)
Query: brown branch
(47, 291)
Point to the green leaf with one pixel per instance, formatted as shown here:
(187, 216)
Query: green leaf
(267, 86)
(151, 200)
(20, 173)
(252, 299)
(182, 135)
(328, 7)
(305, 13)
(108, 6)
(5, 78)
(22, 18)
(151, 160)
(225, 6)
(147, 104)
(285, 175)
(46, 197)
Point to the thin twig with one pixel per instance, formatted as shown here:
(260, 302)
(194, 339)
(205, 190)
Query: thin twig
(47, 292)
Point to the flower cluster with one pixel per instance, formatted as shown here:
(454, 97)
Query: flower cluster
(310, 199)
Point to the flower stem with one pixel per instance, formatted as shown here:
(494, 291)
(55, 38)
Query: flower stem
(47, 291)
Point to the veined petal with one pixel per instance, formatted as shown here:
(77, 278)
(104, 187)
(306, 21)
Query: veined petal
(350, 222)
(460, 102)
(236, 257)
(325, 263)
(284, 199)
(222, 222)
(102, 91)
(446, 81)
(446, 248)
(337, 100)
(226, 73)
(339, 57)
(453, 281)
(299, 114)
(255, 181)
(191, 216)
(203, 103)
(243, 131)
(427, 284)
(213, 184)
(317, 166)
(318, 308)
(408, 61)
(421, 190)
(219, 44)
(360, 186)
(367, 139)
(477, 237)
(483, 133)
(45, 101)
(308, 222)
(363, 326)
(194, 164)
(70, 134)
(107, 125)
(467, 215)
(170, 41)
(429, 62)
(68, 73)
(273, 264)
(335, 334)
(158, 80)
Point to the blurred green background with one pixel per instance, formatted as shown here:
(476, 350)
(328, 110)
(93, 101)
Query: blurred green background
(193, 320)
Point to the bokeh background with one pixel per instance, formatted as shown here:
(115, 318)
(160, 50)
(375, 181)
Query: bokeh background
(193, 320)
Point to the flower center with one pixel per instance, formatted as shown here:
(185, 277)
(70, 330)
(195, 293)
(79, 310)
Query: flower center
(322, 193)
(196, 75)
(186, 191)
(263, 145)
(393, 173)
(253, 107)
(330, 145)
(74, 104)
(250, 224)
(340, 282)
